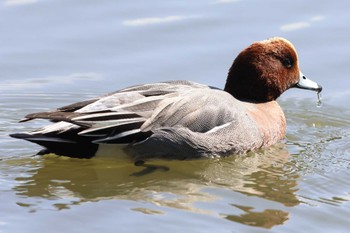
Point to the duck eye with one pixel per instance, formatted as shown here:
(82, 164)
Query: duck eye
(287, 62)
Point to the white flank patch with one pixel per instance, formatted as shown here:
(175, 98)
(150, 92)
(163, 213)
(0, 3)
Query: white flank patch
(218, 127)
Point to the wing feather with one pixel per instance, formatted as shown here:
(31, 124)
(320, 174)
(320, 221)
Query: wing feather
(134, 113)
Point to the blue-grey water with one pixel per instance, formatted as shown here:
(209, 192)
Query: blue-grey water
(56, 52)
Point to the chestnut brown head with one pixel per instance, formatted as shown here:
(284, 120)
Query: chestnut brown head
(264, 70)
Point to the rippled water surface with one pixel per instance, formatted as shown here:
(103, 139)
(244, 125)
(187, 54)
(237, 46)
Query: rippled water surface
(55, 52)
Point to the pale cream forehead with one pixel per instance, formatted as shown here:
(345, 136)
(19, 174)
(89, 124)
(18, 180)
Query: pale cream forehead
(278, 39)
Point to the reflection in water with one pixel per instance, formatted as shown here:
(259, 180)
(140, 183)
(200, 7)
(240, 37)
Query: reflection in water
(156, 20)
(18, 2)
(65, 182)
(266, 219)
(301, 24)
(264, 174)
(44, 82)
(257, 189)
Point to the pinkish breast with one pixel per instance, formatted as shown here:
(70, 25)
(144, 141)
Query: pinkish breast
(270, 121)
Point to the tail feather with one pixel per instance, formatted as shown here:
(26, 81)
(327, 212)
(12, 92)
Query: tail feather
(78, 147)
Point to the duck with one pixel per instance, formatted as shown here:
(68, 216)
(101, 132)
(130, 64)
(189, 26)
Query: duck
(181, 119)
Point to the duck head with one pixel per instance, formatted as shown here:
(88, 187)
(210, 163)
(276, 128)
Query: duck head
(264, 70)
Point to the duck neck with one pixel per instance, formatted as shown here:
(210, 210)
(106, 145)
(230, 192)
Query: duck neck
(249, 89)
(248, 81)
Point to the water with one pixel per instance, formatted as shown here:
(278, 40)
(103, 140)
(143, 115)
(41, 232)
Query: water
(319, 99)
(54, 52)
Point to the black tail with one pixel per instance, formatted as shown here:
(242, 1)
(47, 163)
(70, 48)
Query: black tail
(67, 144)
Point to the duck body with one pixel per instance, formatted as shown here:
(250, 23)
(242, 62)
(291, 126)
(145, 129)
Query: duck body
(180, 119)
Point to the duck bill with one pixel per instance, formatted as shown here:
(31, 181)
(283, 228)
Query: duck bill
(305, 83)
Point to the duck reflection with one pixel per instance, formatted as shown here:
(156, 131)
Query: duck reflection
(266, 219)
(266, 174)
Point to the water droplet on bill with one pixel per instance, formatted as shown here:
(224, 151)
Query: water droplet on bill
(319, 99)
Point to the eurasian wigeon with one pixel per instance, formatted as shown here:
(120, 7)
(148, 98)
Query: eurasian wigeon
(182, 119)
